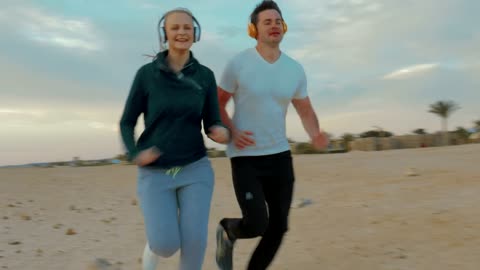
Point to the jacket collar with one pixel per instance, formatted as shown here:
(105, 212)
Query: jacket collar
(161, 63)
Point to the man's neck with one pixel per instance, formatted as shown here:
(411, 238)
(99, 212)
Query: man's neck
(269, 53)
(177, 59)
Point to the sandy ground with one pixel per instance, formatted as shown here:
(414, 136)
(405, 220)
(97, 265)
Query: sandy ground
(366, 213)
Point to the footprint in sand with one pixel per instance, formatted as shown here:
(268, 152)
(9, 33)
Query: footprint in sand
(103, 264)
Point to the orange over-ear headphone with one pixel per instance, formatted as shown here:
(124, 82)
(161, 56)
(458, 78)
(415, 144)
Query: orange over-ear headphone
(252, 29)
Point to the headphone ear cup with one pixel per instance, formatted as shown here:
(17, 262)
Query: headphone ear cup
(164, 32)
(252, 30)
(196, 34)
(285, 27)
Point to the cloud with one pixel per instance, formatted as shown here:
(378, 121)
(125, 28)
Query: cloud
(352, 50)
(231, 31)
(26, 88)
(39, 26)
(103, 126)
(361, 37)
(43, 142)
(368, 62)
(6, 112)
(67, 114)
(410, 71)
(150, 5)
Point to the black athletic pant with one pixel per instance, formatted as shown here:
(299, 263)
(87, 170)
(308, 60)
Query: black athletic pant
(264, 187)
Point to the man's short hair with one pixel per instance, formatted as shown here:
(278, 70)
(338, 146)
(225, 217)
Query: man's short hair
(264, 5)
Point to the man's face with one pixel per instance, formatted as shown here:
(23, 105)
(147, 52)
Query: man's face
(270, 27)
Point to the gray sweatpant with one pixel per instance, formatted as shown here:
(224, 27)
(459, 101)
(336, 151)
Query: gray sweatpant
(176, 210)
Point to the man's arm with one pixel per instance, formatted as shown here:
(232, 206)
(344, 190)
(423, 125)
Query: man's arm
(223, 98)
(307, 115)
(310, 123)
(241, 138)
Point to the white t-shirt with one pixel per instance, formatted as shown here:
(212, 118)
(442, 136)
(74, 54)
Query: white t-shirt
(262, 93)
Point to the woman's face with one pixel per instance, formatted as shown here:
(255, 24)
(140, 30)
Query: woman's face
(179, 31)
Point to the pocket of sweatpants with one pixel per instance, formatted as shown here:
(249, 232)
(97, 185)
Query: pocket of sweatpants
(144, 176)
(203, 168)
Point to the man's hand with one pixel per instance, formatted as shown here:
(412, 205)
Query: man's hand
(243, 138)
(219, 134)
(320, 141)
(147, 156)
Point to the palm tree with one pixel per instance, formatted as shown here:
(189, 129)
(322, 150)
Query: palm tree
(420, 131)
(462, 133)
(444, 109)
(376, 134)
(477, 125)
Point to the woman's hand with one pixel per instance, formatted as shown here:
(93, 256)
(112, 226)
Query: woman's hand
(147, 156)
(219, 134)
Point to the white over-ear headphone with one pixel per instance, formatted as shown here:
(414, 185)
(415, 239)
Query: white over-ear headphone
(162, 33)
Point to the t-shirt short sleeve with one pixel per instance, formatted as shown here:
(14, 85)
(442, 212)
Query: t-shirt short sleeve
(301, 91)
(228, 80)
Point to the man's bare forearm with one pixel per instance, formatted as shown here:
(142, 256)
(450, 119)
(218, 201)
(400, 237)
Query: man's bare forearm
(227, 121)
(310, 123)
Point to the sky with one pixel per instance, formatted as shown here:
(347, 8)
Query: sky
(67, 66)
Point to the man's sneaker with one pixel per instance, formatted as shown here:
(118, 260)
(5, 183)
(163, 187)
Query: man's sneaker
(224, 251)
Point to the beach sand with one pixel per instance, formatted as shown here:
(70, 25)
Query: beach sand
(395, 210)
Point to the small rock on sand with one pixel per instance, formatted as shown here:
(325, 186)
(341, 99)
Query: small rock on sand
(411, 172)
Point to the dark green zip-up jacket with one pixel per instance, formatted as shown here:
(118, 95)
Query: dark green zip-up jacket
(173, 107)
